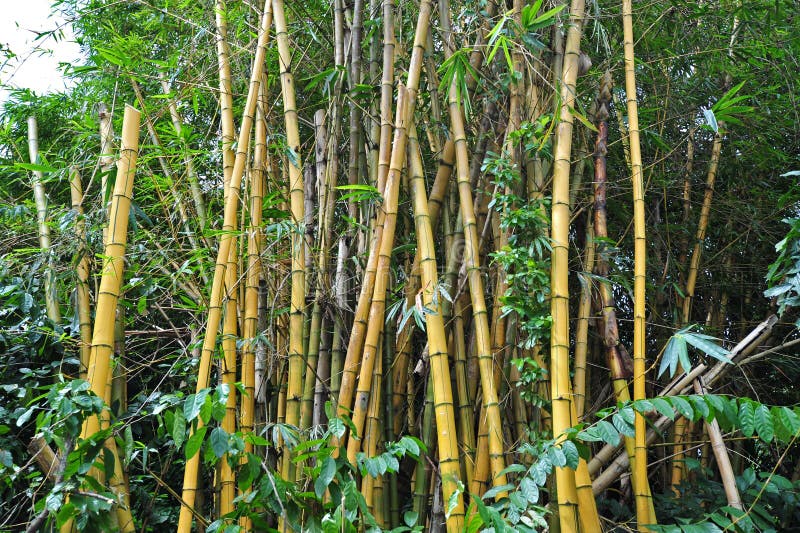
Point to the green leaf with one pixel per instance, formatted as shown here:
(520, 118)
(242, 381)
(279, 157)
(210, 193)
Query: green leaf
(704, 344)
(178, 429)
(683, 407)
(747, 417)
(571, 453)
(762, 420)
(33, 167)
(608, 432)
(622, 425)
(410, 518)
(664, 407)
(326, 474)
(674, 352)
(219, 441)
(529, 489)
(195, 442)
(193, 404)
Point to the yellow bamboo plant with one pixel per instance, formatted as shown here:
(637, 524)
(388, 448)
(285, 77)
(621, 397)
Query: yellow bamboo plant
(226, 244)
(645, 514)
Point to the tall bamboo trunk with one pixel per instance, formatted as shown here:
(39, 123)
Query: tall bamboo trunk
(559, 285)
(82, 269)
(437, 342)
(230, 222)
(99, 373)
(296, 197)
(50, 294)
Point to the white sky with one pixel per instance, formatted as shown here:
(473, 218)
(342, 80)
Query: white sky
(36, 64)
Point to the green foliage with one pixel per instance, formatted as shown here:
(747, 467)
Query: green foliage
(677, 352)
(783, 275)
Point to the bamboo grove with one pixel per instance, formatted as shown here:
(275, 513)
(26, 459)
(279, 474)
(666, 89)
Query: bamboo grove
(423, 265)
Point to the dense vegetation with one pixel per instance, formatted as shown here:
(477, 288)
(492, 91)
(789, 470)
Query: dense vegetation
(404, 266)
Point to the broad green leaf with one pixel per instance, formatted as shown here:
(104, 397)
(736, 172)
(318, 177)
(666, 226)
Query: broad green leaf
(326, 474)
(195, 442)
(683, 407)
(193, 404)
(762, 420)
(571, 453)
(664, 407)
(747, 420)
(178, 430)
(529, 489)
(622, 425)
(608, 432)
(219, 441)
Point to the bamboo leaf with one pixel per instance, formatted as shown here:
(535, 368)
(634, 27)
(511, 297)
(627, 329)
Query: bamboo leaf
(664, 407)
(702, 343)
(673, 353)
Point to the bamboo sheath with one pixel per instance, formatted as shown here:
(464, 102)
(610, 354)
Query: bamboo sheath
(226, 243)
(447, 440)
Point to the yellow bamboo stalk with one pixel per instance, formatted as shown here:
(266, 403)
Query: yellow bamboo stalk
(384, 231)
(449, 465)
(99, 372)
(50, 295)
(582, 327)
(559, 286)
(472, 264)
(644, 500)
(229, 224)
(112, 270)
(296, 194)
(254, 245)
(378, 304)
(82, 272)
(191, 173)
(678, 465)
